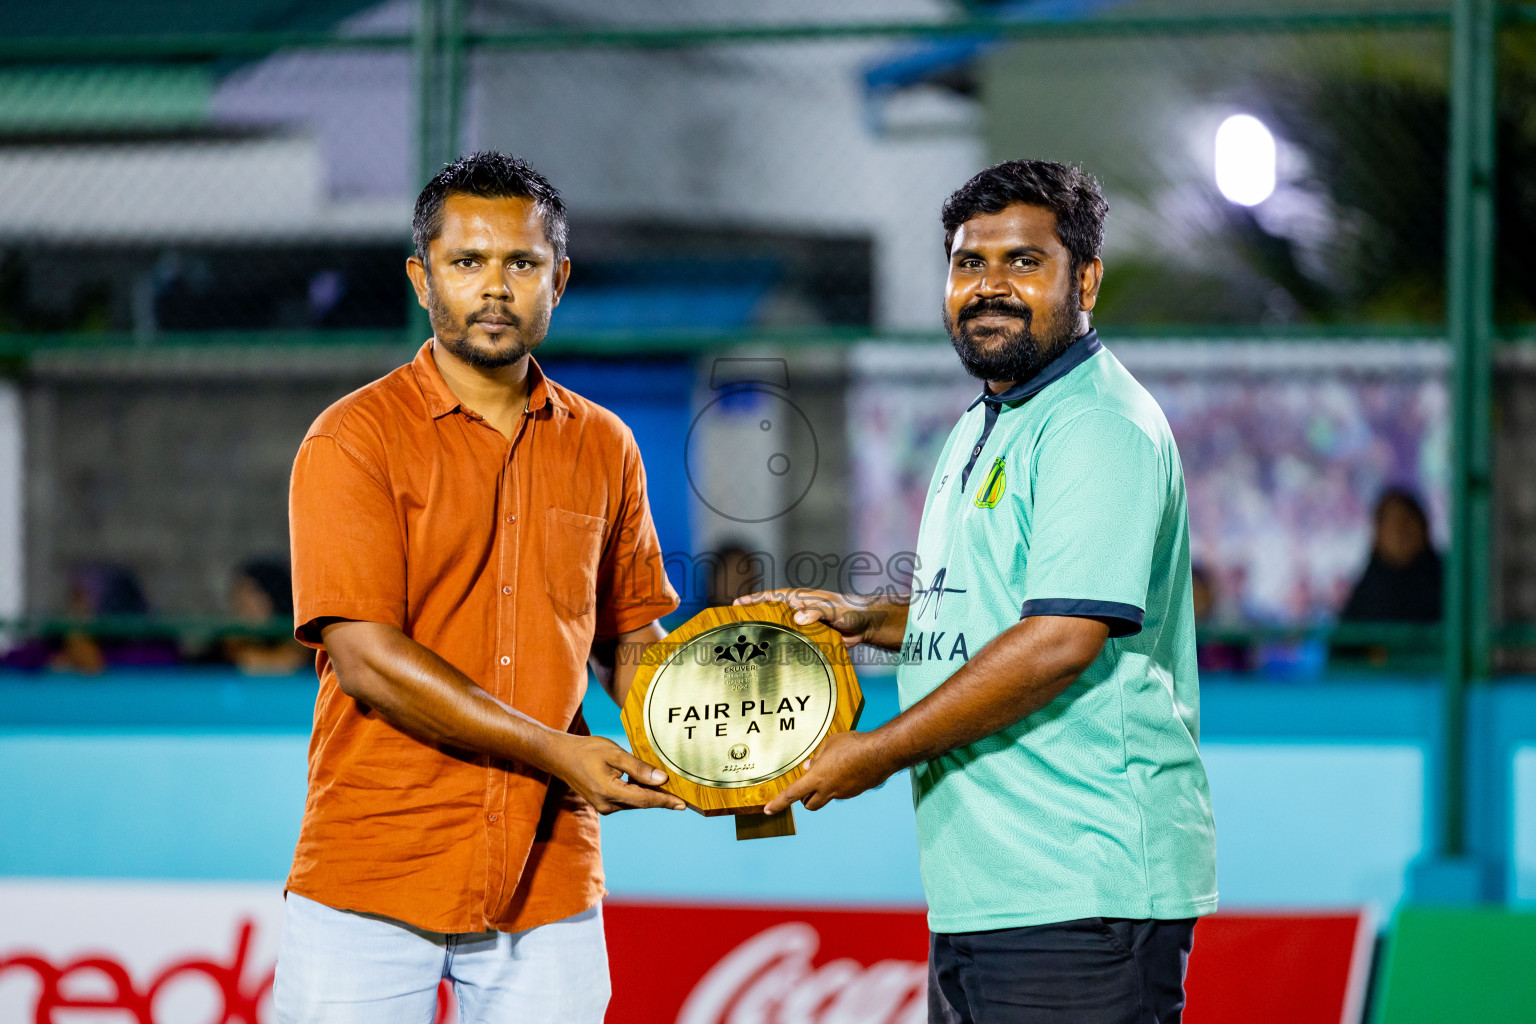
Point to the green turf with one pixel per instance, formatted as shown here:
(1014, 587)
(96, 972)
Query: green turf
(1453, 965)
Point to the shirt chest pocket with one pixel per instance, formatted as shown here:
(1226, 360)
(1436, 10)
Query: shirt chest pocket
(573, 546)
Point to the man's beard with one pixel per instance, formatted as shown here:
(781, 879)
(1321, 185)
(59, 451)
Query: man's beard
(1010, 354)
(520, 338)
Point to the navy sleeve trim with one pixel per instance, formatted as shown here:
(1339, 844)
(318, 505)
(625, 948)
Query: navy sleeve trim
(1124, 619)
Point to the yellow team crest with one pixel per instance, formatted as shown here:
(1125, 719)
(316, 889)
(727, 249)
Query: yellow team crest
(992, 487)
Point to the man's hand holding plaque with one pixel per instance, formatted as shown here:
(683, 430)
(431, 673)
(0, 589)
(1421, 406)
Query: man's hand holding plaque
(734, 703)
(849, 763)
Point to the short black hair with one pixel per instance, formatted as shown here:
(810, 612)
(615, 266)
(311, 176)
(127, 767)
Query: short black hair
(1069, 192)
(488, 175)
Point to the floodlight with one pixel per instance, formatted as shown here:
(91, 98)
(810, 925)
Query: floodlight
(1245, 160)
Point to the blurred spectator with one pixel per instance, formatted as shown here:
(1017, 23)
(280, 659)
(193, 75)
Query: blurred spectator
(1401, 584)
(735, 572)
(1204, 590)
(105, 589)
(100, 597)
(1214, 655)
(261, 597)
(1403, 580)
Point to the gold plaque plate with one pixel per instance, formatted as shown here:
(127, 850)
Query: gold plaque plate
(733, 703)
(740, 705)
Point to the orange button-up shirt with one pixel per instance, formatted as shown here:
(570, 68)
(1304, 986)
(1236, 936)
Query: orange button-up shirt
(504, 558)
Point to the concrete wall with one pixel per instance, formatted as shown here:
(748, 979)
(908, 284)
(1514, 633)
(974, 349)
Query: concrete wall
(180, 475)
(176, 463)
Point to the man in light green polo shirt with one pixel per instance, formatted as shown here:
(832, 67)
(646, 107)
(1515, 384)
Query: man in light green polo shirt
(1048, 686)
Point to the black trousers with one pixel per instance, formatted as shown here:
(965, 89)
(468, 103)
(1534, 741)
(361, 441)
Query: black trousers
(1094, 971)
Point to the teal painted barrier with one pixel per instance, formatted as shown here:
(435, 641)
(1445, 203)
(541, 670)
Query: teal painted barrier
(1319, 792)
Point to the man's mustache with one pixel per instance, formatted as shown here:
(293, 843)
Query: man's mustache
(494, 313)
(987, 307)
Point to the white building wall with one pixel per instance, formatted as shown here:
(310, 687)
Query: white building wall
(769, 136)
(776, 137)
(12, 504)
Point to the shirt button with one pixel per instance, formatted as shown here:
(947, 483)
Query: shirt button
(506, 660)
(976, 450)
(506, 590)
(493, 817)
(511, 519)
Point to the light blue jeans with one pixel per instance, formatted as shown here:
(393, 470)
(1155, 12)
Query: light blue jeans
(345, 967)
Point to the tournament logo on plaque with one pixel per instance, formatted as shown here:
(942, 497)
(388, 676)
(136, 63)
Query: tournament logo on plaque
(734, 702)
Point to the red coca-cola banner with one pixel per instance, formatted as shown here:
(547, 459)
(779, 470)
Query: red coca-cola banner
(682, 964)
(137, 953)
(203, 954)
(103, 983)
(694, 964)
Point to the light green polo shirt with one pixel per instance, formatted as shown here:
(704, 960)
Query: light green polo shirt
(1063, 496)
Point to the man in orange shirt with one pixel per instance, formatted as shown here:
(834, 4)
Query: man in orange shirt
(467, 535)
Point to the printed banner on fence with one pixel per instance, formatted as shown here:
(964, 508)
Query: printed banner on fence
(195, 953)
(138, 953)
(677, 964)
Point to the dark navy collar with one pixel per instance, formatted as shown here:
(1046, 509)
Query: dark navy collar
(1067, 360)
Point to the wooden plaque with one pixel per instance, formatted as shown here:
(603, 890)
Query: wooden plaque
(733, 702)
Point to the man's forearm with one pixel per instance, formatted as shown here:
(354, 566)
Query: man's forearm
(428, 698)
(1019, 672)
